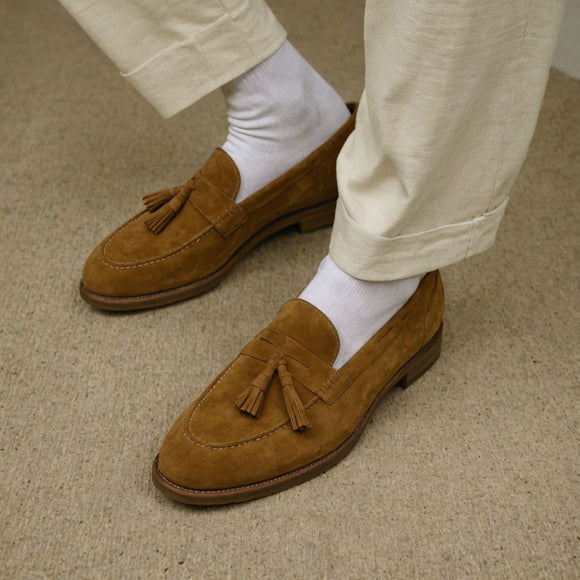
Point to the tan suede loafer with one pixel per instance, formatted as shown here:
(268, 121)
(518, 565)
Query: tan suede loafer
(280, 414)
(189, 237)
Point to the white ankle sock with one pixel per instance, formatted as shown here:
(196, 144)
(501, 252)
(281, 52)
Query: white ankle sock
(357, 308)
(278, 113)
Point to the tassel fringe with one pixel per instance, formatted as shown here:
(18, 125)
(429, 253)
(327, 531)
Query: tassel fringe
(159, 219)
(294, 406)
(164, 205)
(252, 399)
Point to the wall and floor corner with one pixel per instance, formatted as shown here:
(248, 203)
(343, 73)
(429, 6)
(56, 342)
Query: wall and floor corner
(567, 56)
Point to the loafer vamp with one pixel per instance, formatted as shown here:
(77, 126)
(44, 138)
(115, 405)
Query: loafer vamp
(191, 236)
(134, 261)
(213, 432)
(215, 446)
(134, 244)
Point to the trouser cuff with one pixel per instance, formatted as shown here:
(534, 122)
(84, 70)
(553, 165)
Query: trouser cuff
(368, 256)
(185, 72)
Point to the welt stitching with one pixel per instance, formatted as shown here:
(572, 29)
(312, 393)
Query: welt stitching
(162, 259)
(225, 214)
(248, 485)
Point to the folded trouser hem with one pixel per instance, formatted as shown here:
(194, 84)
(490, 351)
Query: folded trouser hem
(187, 71)
(368, 256)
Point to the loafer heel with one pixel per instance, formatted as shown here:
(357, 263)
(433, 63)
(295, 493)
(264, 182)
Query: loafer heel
(423, 360)
(317, 218)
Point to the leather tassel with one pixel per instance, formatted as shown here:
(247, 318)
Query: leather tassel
(294, 405)
(159, 219)
(155, 200)
(252, 399)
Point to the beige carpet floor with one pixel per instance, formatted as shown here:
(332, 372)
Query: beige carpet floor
(473, 472)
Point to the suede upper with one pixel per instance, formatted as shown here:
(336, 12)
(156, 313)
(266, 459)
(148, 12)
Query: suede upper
(213, 445)
(201, 227)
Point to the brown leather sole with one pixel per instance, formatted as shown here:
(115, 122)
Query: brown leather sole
(306, 220)
(406, 375)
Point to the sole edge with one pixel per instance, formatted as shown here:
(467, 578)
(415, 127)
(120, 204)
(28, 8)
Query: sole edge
(413, 369)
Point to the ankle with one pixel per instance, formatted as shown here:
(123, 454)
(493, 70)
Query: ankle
(356, 308)
(278, 113)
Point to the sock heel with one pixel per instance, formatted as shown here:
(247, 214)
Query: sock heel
(318, 217)
(423, 360)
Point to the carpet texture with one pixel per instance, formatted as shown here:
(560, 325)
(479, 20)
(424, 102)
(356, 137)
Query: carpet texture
(473, 472)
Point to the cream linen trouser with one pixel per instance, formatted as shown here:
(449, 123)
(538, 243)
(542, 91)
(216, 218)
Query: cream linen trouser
(452, 95)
